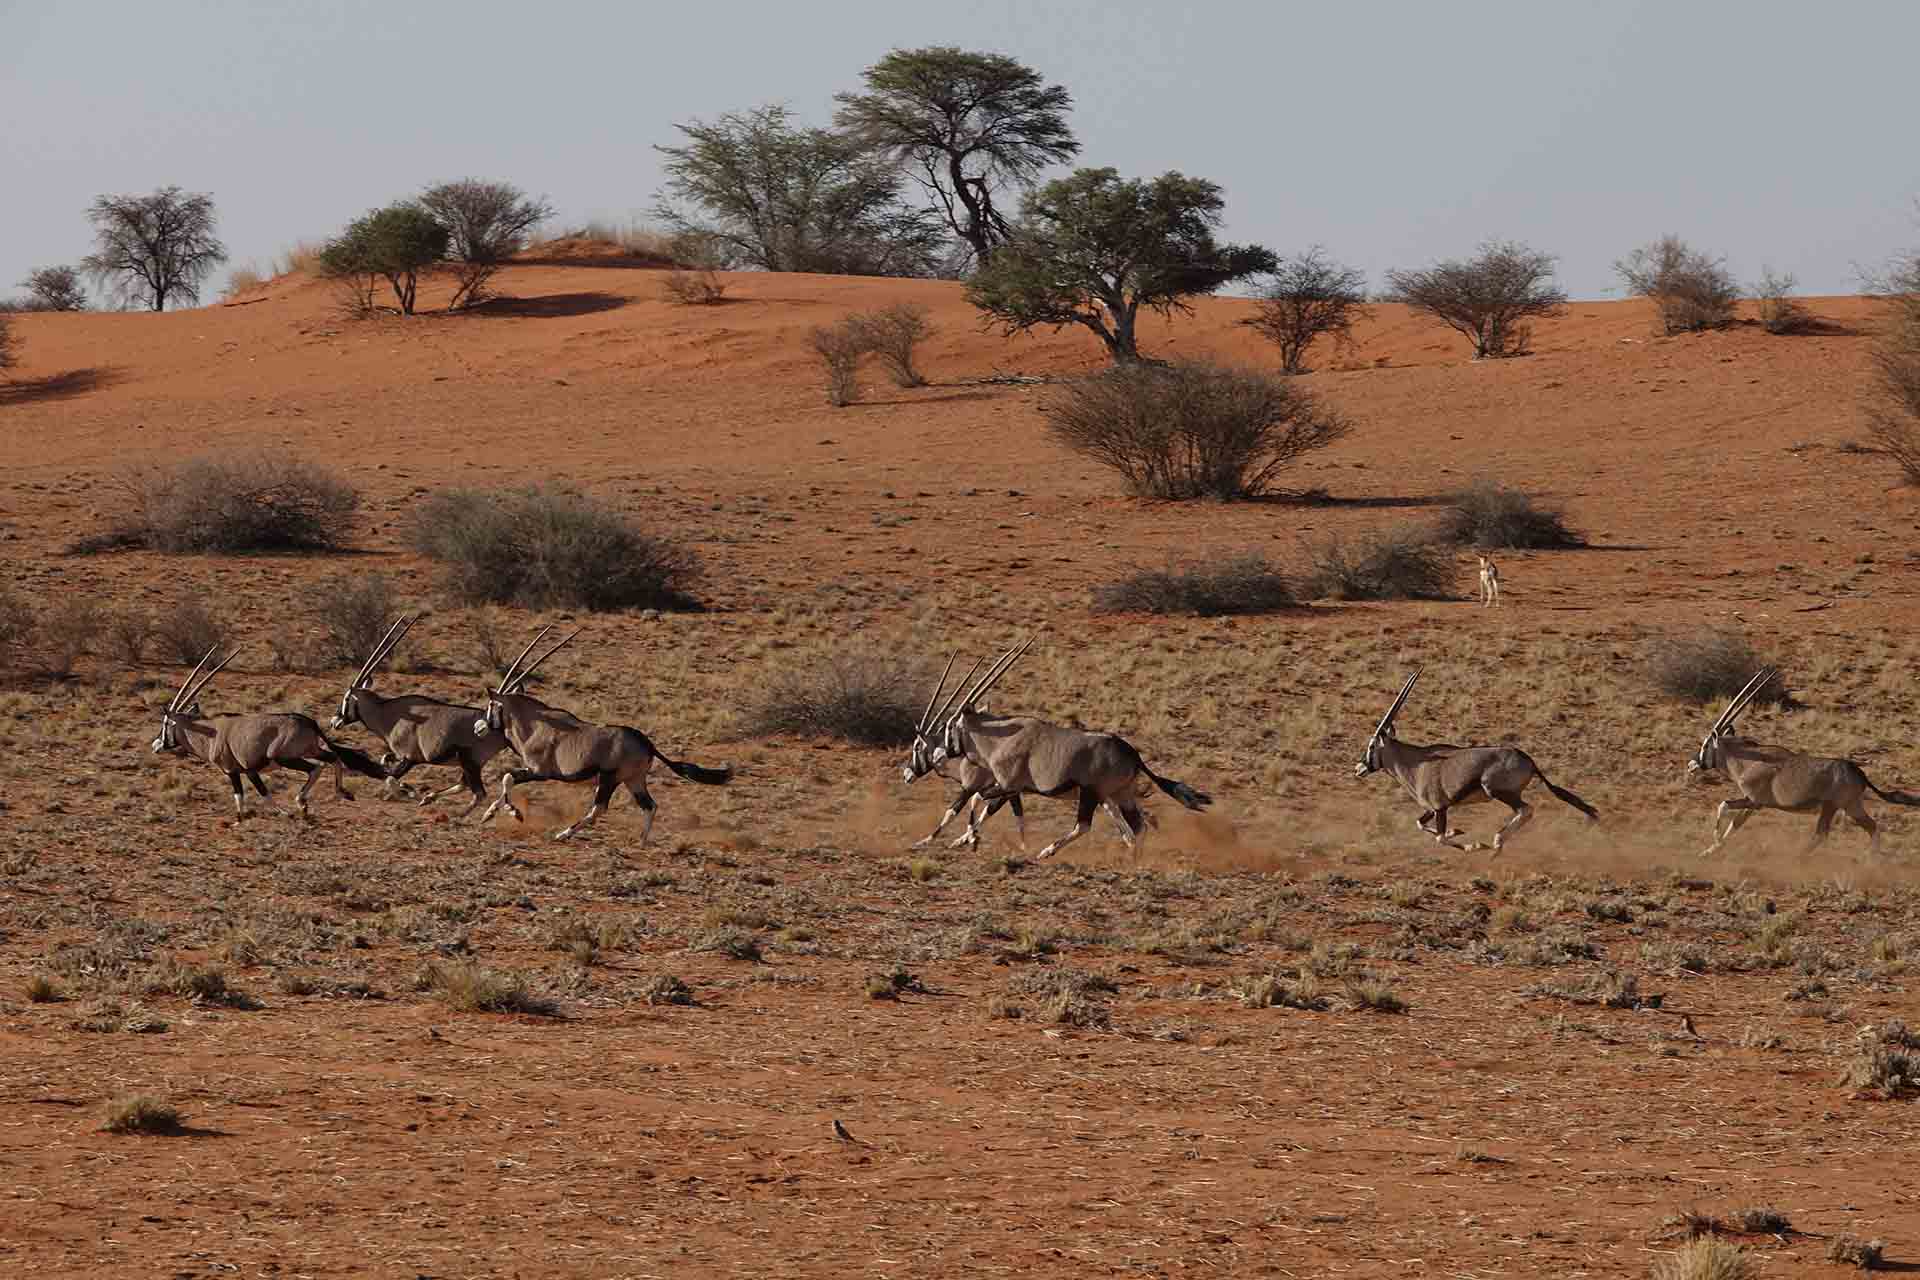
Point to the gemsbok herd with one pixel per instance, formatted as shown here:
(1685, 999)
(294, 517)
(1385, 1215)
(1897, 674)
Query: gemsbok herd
(996, 759)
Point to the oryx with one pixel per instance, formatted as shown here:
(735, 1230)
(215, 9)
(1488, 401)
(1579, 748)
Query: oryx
(1489, 582)
(420, 730)
(1772, 777)
(1021, 754)
(1442, 775)
(554, 746)
(241, 746)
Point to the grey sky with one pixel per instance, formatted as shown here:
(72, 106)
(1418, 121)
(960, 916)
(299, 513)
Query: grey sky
(1394, 133)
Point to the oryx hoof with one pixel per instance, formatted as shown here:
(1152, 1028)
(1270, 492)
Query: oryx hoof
(921, 843)
(965, 842)
(564, 833)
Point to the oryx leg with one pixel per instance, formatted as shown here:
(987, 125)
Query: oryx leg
(1125, 811)
(1821, 828)
(397, 769)
(239, 795)
(643, 798)
(1734, 813)
(1522, 814)
(259, 783)
(505, 797)
(960, 803)
(1434, 823)
(471, 782)
(306, 788)
(601, 794)
(1082, 823)
(1857, 810)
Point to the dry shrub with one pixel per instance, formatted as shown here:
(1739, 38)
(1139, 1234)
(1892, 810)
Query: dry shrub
(694, 286)
(892, 333)
(141, 1114)
(243, 280)
(1692, 291)
(1489, 515)
(1701, 666)
(1886, 1069)
(1205, 588)
(302, 256)
(1192, 429)
(1404, 563)
(125, 633)
(667, 989)
(1365, 992)
(1893, 411)
(1781, 312)
(872, 697)
(354, 610)
(67, 630)
(1763, 1220)
(1851, 1251)
(16, 625)
(186, 630)
(250, 502)
(840, 349)
(549, 548)
(1271, 990)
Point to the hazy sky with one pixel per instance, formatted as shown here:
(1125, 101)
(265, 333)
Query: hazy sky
(1395, 133)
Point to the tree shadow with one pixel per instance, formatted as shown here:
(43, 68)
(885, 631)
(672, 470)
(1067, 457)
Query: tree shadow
(955, 395)
(616, 261)
(551, 306)
(1321, 498)
(57, 386)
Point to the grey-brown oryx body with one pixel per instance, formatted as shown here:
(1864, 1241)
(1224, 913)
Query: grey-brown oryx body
(1775, 777)
(1441, 775)
(557, 746)
(242, 746)
(419, 730)
(1026, 755)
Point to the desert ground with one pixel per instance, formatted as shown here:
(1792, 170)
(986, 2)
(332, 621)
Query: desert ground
(1091, 1065)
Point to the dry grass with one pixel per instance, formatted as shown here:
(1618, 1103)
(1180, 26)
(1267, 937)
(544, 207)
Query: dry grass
(1851, 1251)
(1706, 1258)
(141, 1114)
(472, 988)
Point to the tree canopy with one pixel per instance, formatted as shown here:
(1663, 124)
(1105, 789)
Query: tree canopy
(1489, 297)
(782, 197)
(1093, 248)
(967, 124)
(394, 244)
(153, 249)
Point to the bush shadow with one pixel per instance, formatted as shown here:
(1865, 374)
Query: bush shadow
(552, 306)
(57, 386)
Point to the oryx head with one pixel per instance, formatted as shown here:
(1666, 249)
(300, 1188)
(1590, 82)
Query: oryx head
(1712, 754)
(349, 712)
(1382, 732)
(494, 719)
(937, 738)
(185, 704)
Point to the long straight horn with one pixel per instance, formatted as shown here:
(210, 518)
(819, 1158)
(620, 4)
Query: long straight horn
(521, 678)
(207, 678)
(954, 695)
(926, 717)
(382, 648)
(1761, 679)
(514, 666)
(1386, 721)
(1000, 669)
(180, 698)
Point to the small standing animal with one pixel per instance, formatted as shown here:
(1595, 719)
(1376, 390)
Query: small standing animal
(241, 746)
(556, 746)
(1489, 582)
(419, 730)
(1774, 777)
(1028, 755)
(1442, 775)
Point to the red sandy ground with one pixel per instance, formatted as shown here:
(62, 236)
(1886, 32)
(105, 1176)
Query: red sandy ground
(394, 1137)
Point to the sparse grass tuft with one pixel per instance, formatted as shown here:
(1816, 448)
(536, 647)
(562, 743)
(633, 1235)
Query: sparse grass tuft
(1706, 1258)
(1213, 587)
(1404, 563)
(1364, 992)
(1270, 990)
(667, 989)
(42, 990)
(141, 1114)
(735, 944)
(1891, 1072)
(471, 988)
(1763, 1220)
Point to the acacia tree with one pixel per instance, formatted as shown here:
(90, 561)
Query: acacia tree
(968, 123)
(1307, 297)
(7, 346)
(780, 197)
(1489, 298)
(394, 244)
(55, 289)
(1893, 409)
(152, 248)
(1093, 248)
(487, 223)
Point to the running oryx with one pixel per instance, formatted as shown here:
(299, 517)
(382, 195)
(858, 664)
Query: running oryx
(1771, 777)
(1022, 754)
(556, 747)
(419, 730)
(1489, 582)
(241, 746)
(1442, 775)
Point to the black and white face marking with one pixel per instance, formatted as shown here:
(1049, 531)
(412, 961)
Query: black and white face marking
(349, 712)
(920, 762)
(169, 739)
(494, 717)
(1370, 759)
(1708, 757)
